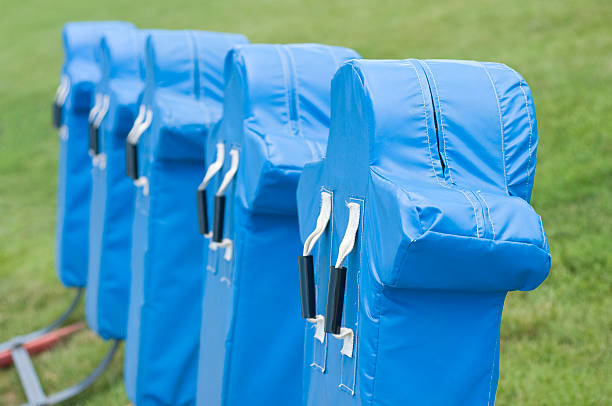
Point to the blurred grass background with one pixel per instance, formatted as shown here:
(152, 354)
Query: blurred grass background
(555, 341)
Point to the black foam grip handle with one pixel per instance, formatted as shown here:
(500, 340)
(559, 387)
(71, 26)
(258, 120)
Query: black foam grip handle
(219, 217)
(57, 115)
(307, 286)
(94, 147)
(335, 300)
(131, 160)
(202, 211)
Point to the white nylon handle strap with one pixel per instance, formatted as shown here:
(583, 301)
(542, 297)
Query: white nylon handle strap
(348, 242)
(322, 221)
(229, 175)
(64, 94)
(103, 110)
(62, 91)
(96, 107)
(139, 119)
(346, 335)
(99, 161)
(214, 167)
(319, 322)
(143, 182)
(142, 127)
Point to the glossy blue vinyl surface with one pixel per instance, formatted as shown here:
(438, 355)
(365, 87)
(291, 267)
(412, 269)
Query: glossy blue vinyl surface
(81, 70)
(183, 90)
(112, 197)
(276, 116)
(440, 156)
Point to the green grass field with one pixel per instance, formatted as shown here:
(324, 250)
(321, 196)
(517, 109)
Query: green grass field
(556, 341)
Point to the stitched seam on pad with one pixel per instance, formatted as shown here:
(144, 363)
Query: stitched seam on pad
(284, 67)
(497, 343)
(450, 175)
(376, 356)
(475, 214)
(361, 248)
(542, 232)
(226, 377)
(530, 131)
(196, 63)
(501, 124)
(433, 167)
(431, 158)
(488, 212)
(296, 97)
(355, 341)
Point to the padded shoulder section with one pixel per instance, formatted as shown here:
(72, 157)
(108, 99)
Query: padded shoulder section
(277, 110)
(170, 61)
(189, 62)
(81, 59)
(471, 237)
(381, 114)
(519, 127)
(182, 127)
(486, 131)
(211, 48)
(284, 85)
(82, 38)
(426, 144)
(122, 55)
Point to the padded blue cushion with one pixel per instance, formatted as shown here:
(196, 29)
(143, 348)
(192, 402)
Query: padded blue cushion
(440, 156)
(82, 72)
(112, 198)
(276, 114)
(184, 70)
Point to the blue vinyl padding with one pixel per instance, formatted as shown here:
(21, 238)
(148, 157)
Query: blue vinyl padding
(183, 89)
(276, 115)
(112, 196)
(440, 156)
(82, 72)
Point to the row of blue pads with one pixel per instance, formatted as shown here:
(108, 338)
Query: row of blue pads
(395, 205)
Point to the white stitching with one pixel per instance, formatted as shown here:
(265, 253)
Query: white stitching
(356, 345)
(426, 121)
(431, 158)
(475, 214)
(501, 124)
(488, 212)
(530, 131)
(284, 67)
(450, 175)
(297, 93)
(493, 366)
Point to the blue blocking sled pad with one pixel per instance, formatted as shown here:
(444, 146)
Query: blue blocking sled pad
(418, 221)
(182, 100)
(276, 119)
(195, 169)
(74, 100)
(112, 195)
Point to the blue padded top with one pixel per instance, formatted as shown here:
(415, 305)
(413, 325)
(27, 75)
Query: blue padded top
(187, 61)
(81, 40)
(276, 111)
(122, 56)
(122, 68)
(184, 88)
(444, 153)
